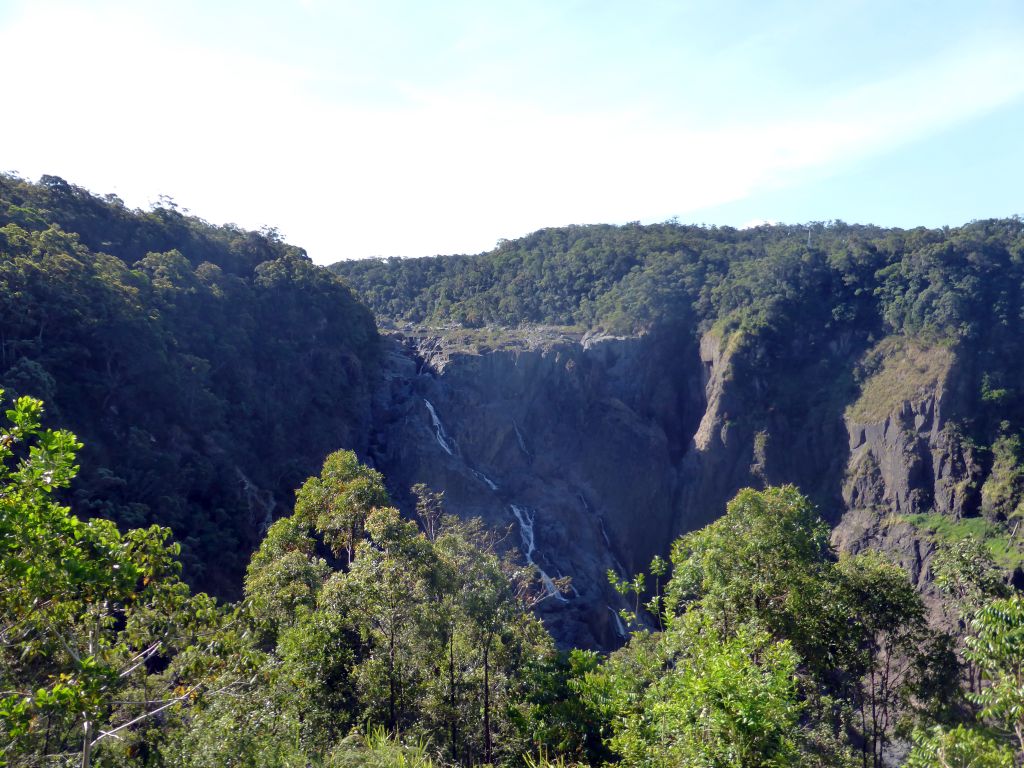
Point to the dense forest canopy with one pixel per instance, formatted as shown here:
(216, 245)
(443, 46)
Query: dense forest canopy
(209, 369)
(952, 282)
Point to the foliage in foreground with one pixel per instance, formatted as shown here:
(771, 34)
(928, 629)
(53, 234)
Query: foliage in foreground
(194, 360)
(99, 635)
(356, 621)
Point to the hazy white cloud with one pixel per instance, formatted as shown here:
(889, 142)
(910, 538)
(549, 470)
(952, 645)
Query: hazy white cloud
(107, 101)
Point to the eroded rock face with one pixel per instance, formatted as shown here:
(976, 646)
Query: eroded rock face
(907, 458)
(594, 454)
(570, 446)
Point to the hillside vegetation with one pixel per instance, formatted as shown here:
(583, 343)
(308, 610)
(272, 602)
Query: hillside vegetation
(950, 283)
(367, 639)
(208, 369)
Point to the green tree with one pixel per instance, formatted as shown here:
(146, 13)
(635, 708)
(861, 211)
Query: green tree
(996, 646)
(425, 634)
(87, 611)
(556, 716)
(958, 747)
(967, 574)
(385, 592)
(708, 698)
(857, 626)
(899, 661)
(201, 380)
(284, 576)
(338, 502)
(765, 559)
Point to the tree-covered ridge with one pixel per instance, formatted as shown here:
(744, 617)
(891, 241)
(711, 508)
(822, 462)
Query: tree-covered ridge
(941, 282)
(208, 369)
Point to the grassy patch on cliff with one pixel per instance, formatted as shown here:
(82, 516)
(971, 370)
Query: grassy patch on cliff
(896, 370)
(1006, 550)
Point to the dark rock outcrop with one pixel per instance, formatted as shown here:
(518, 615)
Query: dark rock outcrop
(595, 453)
(574, 441)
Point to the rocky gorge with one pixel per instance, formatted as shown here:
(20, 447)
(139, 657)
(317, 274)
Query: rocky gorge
(591, 453)
(591, 392)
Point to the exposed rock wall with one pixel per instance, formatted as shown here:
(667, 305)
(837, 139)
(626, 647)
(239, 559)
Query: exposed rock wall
(908, 457)
(596, 453)
(579, 437)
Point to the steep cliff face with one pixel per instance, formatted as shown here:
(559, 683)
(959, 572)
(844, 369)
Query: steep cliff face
(907, 456)
(595, 453)
(878, 441)
(569, 445)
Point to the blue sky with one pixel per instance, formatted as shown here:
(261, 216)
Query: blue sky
(414, 128)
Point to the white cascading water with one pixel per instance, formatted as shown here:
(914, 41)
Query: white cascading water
(526, 533)
(484, 479)
(446, 443)
(519, 437)
(604, 535)
(620, 628)
(575, 592)
(257, 498)
(439, 433)
(522, 515)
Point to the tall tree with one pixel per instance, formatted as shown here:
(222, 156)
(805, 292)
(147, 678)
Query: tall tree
(338, 502)
(89, 614)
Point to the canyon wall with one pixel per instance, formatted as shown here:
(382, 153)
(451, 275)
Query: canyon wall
(593, 453)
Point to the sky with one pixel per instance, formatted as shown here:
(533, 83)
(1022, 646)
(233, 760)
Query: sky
(415, 128)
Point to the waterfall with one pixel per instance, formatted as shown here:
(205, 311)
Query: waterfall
(439, 433)
(526, 533)
(261, 503)
(484, 479)
(604, 534)
(519, 437)
(448, 444)
(620, 628)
